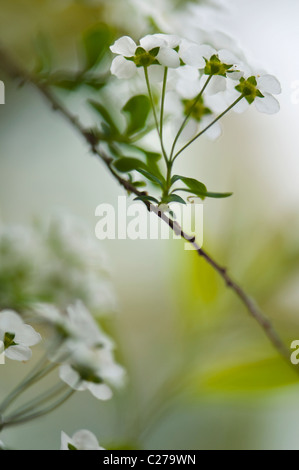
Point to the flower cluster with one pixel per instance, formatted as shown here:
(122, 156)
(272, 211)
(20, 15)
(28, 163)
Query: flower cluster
(85, 352)
(57, 261)
(202, 82)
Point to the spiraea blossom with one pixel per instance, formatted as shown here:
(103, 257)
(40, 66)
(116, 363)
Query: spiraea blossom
(81, 440)
(16, 336)
(94, 370)
(258, 88)
(156, 49)
(85, 352)
(57, 259)
(199, 110)
(198, 69)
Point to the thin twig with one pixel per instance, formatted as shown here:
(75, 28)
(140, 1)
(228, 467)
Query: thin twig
(14, 71)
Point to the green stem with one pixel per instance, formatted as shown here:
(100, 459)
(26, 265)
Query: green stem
(163, 101)
(42, 368)
(40, 413)
(208, 127)
(26, 383)
(188, 115)
(39, 400)
(154, 112)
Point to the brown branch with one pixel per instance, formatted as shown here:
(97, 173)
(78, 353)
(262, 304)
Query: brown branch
(16, 72)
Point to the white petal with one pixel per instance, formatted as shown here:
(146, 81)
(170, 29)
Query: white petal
(268, 104)
(188, 89)
(18, 353)
(227, 57)
(27, 336)
(170, 39)
(151, 41)
(269, 84)
(236, 75)
(241, 107)
(187, 72)
(206, 51)
(123, 68)
(173, 104)
(214, 131)
(68, 375)
(216, 85)
(192, 55)
(115, 375)
(65, 441)
(190, 130)
(10, 321)
(124, 46)
(86, 440)
(156, 73)
(168, 57)
(217, 103)
(99, 391)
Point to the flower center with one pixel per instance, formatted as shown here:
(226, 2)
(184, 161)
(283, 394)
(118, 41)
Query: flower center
(9, 340)
(248, 88)
(143, 58)
(214, 66)
(87, 374)
(195, 109)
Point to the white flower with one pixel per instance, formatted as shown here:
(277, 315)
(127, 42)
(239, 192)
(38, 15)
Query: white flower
(71, 377)
(75, 324)
(81, 440)
(259, 89)
(152, 50)
(268, 85)
(90, 369)
(16, 336)
(201, 116)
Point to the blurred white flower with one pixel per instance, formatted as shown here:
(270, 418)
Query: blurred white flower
(75, 324)
(201, 116)
(81, 440)
(55, 261)
(17, 337)
(93, 370)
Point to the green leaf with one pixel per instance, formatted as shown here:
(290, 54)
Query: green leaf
(218, 195)
(197, 188)
(194, 186)
(250, 377)
(139, 184)
(175, 178)
(175, 198)
(102, 111)
(138, 109)
(152, 177)
(96, 42)
(146, 198)
(126, 164)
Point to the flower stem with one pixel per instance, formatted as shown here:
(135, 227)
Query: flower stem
(154, 111)
(189, 114)
(208, 127)
(38, 414)
(163, 101)
(37, 401)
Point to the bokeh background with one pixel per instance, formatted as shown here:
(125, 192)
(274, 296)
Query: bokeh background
(202, 375)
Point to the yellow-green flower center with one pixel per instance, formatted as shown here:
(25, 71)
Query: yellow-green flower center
(196, 109)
